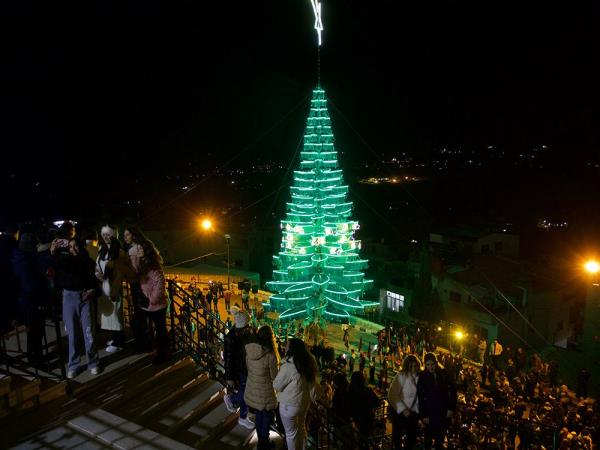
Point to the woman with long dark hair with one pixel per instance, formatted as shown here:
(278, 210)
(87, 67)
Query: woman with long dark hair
(133, 238)
(363, 402)
(262, 361)
(153, 287)
(294, 382)
(340, 412)
(404, 403)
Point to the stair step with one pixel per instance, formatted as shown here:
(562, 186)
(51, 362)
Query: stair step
(170, 399)
(22, 390)
(227, 434)
(134, 406)
(63, 436)
(141, 388)
(4, 384)
(188, 412)
(236, 437)
(50, 390)
(212, 422)
(121, 433)
(92, 387)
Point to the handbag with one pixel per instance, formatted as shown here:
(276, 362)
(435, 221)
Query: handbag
(140, 299)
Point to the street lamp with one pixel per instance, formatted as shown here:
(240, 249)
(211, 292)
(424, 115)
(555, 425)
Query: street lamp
(592, 267)
(206, 224)
(227, 238)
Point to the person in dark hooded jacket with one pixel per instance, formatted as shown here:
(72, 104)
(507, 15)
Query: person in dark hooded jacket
(236, 371)
(33, 294)
(8, 280)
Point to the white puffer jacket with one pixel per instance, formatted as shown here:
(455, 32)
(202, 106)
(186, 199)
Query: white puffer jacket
(292, 389)
(403, 393)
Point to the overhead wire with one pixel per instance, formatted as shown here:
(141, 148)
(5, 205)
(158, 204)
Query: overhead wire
(514, 307)
(474, 297)
(226, 163)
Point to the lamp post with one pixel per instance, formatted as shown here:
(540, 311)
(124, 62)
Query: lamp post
(227, 239)
(207, 225)
(590, 342)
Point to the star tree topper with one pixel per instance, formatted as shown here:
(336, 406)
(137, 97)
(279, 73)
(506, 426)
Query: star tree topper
(316, 5)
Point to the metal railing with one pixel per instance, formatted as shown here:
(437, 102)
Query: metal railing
(14, 356)
(195, 330)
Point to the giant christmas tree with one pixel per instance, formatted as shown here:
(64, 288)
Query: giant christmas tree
(318, 272)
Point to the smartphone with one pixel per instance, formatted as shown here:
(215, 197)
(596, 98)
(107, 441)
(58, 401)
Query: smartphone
(62, 242)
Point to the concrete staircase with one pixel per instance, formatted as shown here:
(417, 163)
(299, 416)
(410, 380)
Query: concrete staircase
(173, 406)
(21, 393)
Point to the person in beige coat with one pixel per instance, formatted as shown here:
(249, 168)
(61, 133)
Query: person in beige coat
(262, 361)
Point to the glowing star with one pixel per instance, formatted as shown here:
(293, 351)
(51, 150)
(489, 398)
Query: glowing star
(316, 5)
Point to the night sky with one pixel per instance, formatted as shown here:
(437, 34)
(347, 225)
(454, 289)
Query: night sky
(102, 91)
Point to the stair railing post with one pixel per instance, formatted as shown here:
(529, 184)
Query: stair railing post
(172, 314)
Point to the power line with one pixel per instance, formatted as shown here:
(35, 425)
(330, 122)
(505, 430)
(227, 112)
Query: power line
(193, 259)
(498, 318)
(226, 163)
(514, 307)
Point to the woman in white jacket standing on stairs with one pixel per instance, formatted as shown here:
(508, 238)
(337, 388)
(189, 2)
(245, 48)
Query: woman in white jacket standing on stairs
(404, 403)
(294, 383)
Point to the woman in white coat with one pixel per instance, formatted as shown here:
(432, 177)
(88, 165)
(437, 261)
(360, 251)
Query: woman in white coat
(112, 266)
(404, 403)
(294, 383)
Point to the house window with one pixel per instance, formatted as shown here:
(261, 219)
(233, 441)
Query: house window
(455, 297)
(395, 302)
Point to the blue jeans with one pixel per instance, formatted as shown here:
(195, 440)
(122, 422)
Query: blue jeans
(263, 422)
(76, 313)
(238, 397)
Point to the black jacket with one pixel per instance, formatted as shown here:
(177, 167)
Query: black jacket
(436, 396)
(33, 284)
(234, 353)
(74, 273)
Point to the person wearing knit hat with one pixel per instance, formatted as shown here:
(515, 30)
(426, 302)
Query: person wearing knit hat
(241, 318)
(236, 371)
(112, 266)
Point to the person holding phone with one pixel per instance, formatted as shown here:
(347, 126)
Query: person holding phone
(75, 278)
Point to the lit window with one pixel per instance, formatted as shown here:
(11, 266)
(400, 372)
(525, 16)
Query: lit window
(395, 302)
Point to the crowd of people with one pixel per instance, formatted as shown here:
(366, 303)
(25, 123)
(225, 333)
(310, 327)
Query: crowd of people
(429, 395)
(469, 395)
(86, 275)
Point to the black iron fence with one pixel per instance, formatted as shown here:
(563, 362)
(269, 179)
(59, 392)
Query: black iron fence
(50, 364)
(195, 330)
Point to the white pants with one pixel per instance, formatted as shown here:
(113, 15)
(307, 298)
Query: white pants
(294, 422)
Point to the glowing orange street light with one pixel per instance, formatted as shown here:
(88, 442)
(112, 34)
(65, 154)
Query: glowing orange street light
(592, 266)
(206, 224)
(459, 335)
